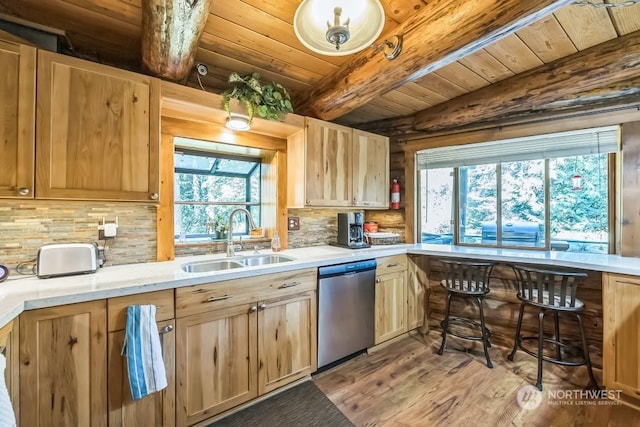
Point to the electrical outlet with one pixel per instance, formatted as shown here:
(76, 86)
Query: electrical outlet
(293, 223)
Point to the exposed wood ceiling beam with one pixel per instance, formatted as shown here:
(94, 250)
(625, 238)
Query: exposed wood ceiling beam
(171, 30)
(439, 34)
(605, 74)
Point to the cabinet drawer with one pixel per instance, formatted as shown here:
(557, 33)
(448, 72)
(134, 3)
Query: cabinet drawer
(214, 296)
(117, 307)
(391, 264)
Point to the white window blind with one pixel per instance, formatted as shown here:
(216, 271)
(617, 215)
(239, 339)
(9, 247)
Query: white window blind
(549, 146)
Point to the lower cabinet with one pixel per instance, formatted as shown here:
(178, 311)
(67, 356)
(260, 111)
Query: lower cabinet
(216, 354)
(242, 338)
(391, 298)
(157, 409)
(63, 366)
(391, 307)
(9, 346)
(621, 352)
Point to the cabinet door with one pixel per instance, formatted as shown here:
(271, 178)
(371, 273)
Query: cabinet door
(9, 345)
(327, 164)
(417, 291)
(63, 366)
(621, 298)
(286, 340)
(216, 362)
(97, 131)
(157, 409)
(370, 170)
(391, 306)
(17, 117)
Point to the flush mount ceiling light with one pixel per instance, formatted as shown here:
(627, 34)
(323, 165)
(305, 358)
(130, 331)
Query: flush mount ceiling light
(338, 27)
(238, 122)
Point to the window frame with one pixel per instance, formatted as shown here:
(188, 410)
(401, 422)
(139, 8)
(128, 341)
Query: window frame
(612, 166)
(247, 204)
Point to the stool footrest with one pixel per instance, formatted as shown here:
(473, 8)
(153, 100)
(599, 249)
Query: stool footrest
(580, 362)
(461, 321)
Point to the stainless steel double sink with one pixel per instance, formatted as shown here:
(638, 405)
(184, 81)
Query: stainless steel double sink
(236, 262)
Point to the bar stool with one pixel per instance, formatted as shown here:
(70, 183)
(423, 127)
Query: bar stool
(553, 291)
(467, 279)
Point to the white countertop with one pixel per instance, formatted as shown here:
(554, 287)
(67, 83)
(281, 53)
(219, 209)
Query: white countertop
(20, 293)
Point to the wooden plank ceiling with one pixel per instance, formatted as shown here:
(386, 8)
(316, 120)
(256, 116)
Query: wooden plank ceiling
(257, 35)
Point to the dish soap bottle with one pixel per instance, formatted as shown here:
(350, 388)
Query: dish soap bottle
(275, 242)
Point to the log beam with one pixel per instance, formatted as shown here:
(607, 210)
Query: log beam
(429, 44)
(171, 30)
(602, 76)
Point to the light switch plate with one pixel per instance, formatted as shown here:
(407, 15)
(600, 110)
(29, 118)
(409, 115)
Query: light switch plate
(293, 223)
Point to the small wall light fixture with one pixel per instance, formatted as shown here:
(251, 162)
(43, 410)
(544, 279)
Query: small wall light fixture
(237, 122)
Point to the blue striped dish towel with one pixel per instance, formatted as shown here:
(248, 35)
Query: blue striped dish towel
(143, 351)
(7, 416)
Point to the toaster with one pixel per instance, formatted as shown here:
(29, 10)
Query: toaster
(66, 259)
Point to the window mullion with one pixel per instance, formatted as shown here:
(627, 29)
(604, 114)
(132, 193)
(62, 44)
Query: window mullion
(499, 204)
(547, 206)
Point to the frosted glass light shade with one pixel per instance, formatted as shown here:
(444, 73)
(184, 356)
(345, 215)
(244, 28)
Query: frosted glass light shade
(366, 20)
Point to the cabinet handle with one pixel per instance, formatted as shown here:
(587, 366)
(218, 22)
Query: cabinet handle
(154, 196)
(23, 191)
(253, 309)
(220, 298)
(392, 265)
(308, 202)
(263, 306)
(378, 280)
(166, 329)
(289, 285)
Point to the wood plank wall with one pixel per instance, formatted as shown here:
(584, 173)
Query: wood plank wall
(502, 306)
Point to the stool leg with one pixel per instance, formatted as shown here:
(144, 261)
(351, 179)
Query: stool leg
(516, 341)
(485, 337)
(585, 349)
(540, 350)
(557, 337)
(445, 324)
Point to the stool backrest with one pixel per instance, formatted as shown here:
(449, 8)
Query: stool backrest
(468, 276)
(547, 287)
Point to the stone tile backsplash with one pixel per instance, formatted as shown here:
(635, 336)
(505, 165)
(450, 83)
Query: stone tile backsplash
(27, 225)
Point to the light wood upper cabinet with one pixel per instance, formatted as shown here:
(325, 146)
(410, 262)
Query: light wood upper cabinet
(63, 366)
(327, 164)
(621, 352)
(287, 344)
(97, 131)
(370, 170)
(157, 409)
(335, 166)
(17, 119)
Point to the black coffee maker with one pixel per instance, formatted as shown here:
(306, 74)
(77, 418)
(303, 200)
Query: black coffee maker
(351, 230)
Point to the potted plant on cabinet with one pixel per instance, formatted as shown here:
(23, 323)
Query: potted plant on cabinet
(270, 101)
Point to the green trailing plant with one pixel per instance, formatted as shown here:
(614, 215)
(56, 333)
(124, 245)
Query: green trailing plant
(269, 101)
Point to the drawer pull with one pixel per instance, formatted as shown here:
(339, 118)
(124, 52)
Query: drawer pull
(392, 265)
(378, 280)
(220, 298)
(289, 285)
(166, 329)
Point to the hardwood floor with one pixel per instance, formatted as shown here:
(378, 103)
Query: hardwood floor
(408, 384)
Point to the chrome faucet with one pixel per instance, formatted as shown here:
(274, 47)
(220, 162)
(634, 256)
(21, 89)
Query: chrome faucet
(252, 226)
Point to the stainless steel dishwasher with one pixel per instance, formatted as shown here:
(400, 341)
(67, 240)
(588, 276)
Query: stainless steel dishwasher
(346, 302)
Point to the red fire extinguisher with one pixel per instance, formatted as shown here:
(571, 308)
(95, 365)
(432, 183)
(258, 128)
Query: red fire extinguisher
(395, 194)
